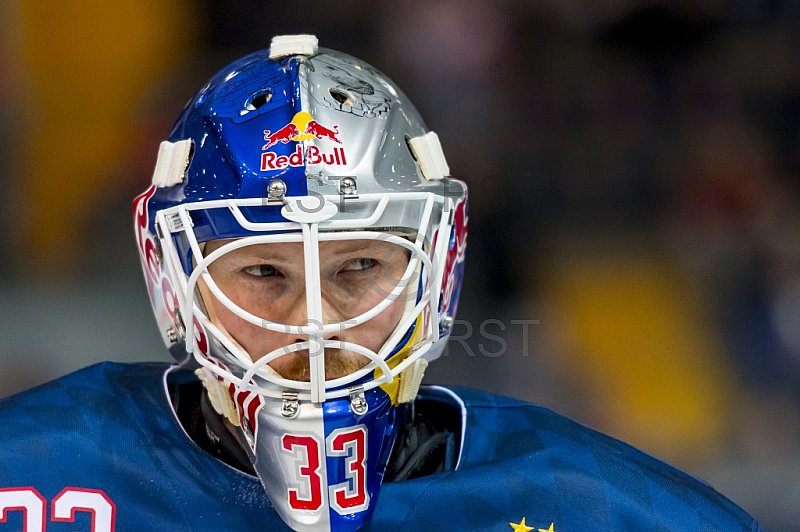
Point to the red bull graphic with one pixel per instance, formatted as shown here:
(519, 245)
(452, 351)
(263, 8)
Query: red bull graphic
(155, 277)
(454, 261)
(319, 131)
(311, 129)
(284, 135)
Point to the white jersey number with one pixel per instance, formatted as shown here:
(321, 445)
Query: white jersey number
(64, 506)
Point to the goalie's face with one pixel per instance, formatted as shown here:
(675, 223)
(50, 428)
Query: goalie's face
(269, 281)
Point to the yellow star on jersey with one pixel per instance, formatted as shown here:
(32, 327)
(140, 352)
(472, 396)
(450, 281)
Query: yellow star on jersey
(521, 527)
(549, 529)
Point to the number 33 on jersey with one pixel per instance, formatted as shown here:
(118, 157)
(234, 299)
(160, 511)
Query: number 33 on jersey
(64, 507)
(304, 453)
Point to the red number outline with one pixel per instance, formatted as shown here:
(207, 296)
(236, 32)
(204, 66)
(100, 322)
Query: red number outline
(58, 514)
(351, 495)
(305, 450)
(28, 519)
(347, 497)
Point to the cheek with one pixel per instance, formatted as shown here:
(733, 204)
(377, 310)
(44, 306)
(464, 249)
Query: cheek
(241, 330)
(256, 340)
(374, 333)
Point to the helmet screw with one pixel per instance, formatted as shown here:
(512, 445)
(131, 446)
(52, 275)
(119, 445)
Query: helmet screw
(358, 403)
(276, 189)
(172, 335)
(290, 407)
(446, 322)
(347, 186)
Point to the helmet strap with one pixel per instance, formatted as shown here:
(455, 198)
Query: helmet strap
(410, 379)
(218, 395)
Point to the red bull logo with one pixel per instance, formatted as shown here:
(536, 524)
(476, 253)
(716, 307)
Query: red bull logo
(319, 131)
(284, 135)
(302, 127)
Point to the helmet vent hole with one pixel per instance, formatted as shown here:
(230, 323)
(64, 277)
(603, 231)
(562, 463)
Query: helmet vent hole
(189, 157)
(258, 99)
(342, 97)
(408, 145)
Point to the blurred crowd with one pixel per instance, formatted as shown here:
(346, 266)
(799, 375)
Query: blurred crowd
(634, 248)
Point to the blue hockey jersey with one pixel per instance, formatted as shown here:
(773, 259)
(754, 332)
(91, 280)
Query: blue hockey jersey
(102, 449)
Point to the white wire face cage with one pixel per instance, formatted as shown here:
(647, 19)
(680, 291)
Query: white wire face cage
(420, 216)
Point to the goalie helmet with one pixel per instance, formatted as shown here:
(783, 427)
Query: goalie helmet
(299, 144)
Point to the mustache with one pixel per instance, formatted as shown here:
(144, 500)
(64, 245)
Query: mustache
(338, 363)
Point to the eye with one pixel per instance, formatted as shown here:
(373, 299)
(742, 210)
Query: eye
(361, 264)
(261, 270)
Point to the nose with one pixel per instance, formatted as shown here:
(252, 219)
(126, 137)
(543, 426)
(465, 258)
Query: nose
(299, 316)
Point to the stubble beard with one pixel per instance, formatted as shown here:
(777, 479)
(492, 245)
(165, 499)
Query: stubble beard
(337, 364)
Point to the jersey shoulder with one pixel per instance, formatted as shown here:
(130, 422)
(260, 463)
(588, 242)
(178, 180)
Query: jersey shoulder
(75, 405)
(522, 460)
(107, 436)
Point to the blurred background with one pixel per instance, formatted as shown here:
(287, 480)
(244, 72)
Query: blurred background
(634, 249)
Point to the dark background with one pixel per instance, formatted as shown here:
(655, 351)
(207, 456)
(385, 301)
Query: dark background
(633, 170)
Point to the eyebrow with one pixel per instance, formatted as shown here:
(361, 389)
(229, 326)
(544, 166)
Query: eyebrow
(353, 246)
(291, 254)
(256, 252)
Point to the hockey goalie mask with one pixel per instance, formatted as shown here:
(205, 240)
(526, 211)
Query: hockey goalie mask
(303, 247)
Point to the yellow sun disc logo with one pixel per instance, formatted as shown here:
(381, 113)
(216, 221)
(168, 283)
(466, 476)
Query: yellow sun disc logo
(301, 120)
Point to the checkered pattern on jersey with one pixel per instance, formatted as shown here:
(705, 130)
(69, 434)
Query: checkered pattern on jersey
(109, 427)
(521, 460)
